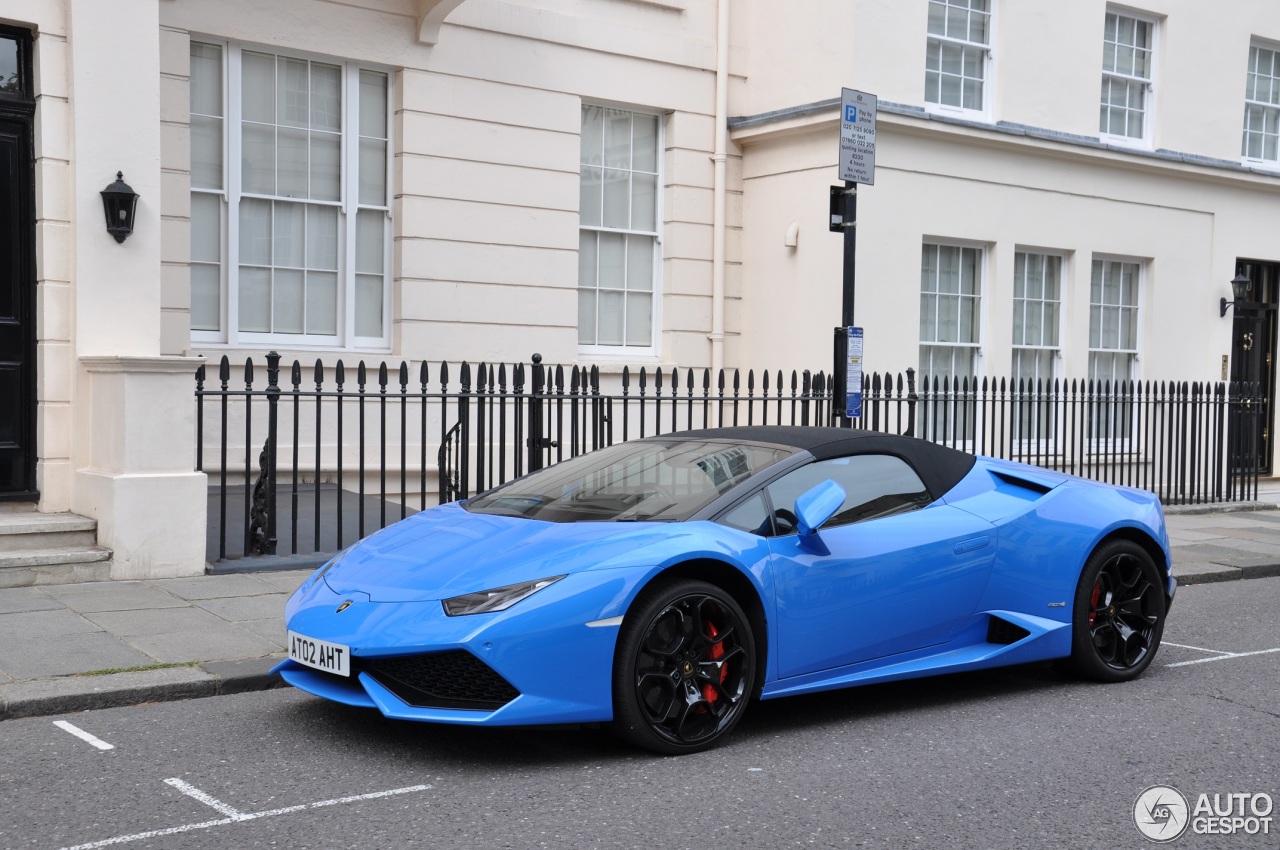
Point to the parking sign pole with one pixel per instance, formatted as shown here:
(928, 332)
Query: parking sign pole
(857, 165)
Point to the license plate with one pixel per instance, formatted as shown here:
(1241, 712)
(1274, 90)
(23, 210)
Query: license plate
(320, 654)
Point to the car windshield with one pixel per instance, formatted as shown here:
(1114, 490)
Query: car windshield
(661, 480)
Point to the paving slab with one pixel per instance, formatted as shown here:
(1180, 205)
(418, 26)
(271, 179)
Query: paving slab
(247, 607)
(113, 596)
(20, 599)
(30, 626)
(287, 581)
(1183, 535)
(222, 643)
(60, 655)
(1266, 534)
(158, 621)
(216, 587)
(270, 629)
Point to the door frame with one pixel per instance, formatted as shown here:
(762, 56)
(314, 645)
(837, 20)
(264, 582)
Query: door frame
(17, 110)
(1253, 347)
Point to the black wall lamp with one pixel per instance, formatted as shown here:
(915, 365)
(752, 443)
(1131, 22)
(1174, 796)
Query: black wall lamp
(119, 202)
(1240, 286)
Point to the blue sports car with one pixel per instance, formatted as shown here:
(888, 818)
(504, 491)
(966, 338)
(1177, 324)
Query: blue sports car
(661, 584)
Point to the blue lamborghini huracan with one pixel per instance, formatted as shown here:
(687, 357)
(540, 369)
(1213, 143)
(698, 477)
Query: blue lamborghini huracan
(661, 584)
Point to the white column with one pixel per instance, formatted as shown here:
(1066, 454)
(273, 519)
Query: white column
(134, 435)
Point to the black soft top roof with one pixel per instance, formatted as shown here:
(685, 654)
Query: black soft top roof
(939, 467)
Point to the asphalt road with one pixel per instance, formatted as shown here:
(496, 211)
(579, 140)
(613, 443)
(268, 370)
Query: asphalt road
(1015, 758)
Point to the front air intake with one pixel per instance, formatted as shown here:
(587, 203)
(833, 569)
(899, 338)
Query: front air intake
(451, 679)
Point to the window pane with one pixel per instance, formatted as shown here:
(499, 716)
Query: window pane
(206, 78)
(373, 172)
(322, 239)
(617, 139)
(287, 302)
(640, 263)
(612, 267)
(206, 228)
(617, 203)
(645, 143)
(373, 104)
(589, 197)
(258, 160)
(587, 262)
(592, 135)
(255, 299)
(586, 317)
(288, 242)
(369, 305)
(291, 163)
(206, 297)
(639, 318)
(326, 171)
(611, 307)
(255, 232)
(206, 152)
(292, 93)
(370, 246)
(644, 202)
(258, 87)
(322, 303)
(326, 97)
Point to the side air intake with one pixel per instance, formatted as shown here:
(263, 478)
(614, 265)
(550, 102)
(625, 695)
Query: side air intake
(1003, 632)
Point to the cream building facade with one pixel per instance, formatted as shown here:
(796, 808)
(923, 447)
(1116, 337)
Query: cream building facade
(606, 181)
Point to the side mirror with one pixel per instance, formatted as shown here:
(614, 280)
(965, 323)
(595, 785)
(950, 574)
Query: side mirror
(817, 505)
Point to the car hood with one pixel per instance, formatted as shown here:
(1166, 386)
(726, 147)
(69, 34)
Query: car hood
(447, 551)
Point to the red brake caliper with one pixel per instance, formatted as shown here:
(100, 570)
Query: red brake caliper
(1093, 603)
(715, 653)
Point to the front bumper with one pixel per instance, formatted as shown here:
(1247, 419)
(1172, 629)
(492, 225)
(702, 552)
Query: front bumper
(538, 662)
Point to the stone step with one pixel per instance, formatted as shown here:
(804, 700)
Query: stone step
(62, 565)
(28, 530)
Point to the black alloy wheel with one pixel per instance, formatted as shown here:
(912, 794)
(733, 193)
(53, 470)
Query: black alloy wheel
(684, 668)
(1119, 613)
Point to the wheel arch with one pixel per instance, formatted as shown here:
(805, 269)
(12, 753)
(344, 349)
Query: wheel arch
(734, 582)
(1141, 538)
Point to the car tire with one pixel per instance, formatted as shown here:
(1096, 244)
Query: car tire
(1119, 613)
(684, 668)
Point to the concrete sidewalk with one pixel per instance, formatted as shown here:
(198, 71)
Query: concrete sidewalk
(73, 647)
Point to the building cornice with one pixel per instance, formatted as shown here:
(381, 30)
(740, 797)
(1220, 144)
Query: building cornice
(824, 114)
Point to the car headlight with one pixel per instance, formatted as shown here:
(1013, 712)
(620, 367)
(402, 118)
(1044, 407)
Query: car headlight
(498, 599)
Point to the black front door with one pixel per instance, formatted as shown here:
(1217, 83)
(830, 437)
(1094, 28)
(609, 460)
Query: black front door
(17, 270)
(1253, 352)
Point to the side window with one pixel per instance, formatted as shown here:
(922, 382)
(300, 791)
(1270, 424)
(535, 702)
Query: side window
(874, 486)
(750, 515)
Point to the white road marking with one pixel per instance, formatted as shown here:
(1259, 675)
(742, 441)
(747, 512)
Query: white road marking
(241, 817)
(83, 735)
(1224, 657)
(196, 794)
(1196, 648)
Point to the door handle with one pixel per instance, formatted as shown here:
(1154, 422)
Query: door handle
(971, 545)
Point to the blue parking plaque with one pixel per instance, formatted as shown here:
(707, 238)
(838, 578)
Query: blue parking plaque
(853, 374)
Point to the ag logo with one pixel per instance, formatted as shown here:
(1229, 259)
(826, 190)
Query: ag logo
(1161, 813)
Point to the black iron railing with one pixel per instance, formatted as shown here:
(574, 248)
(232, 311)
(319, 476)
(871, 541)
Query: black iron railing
(337, 459)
